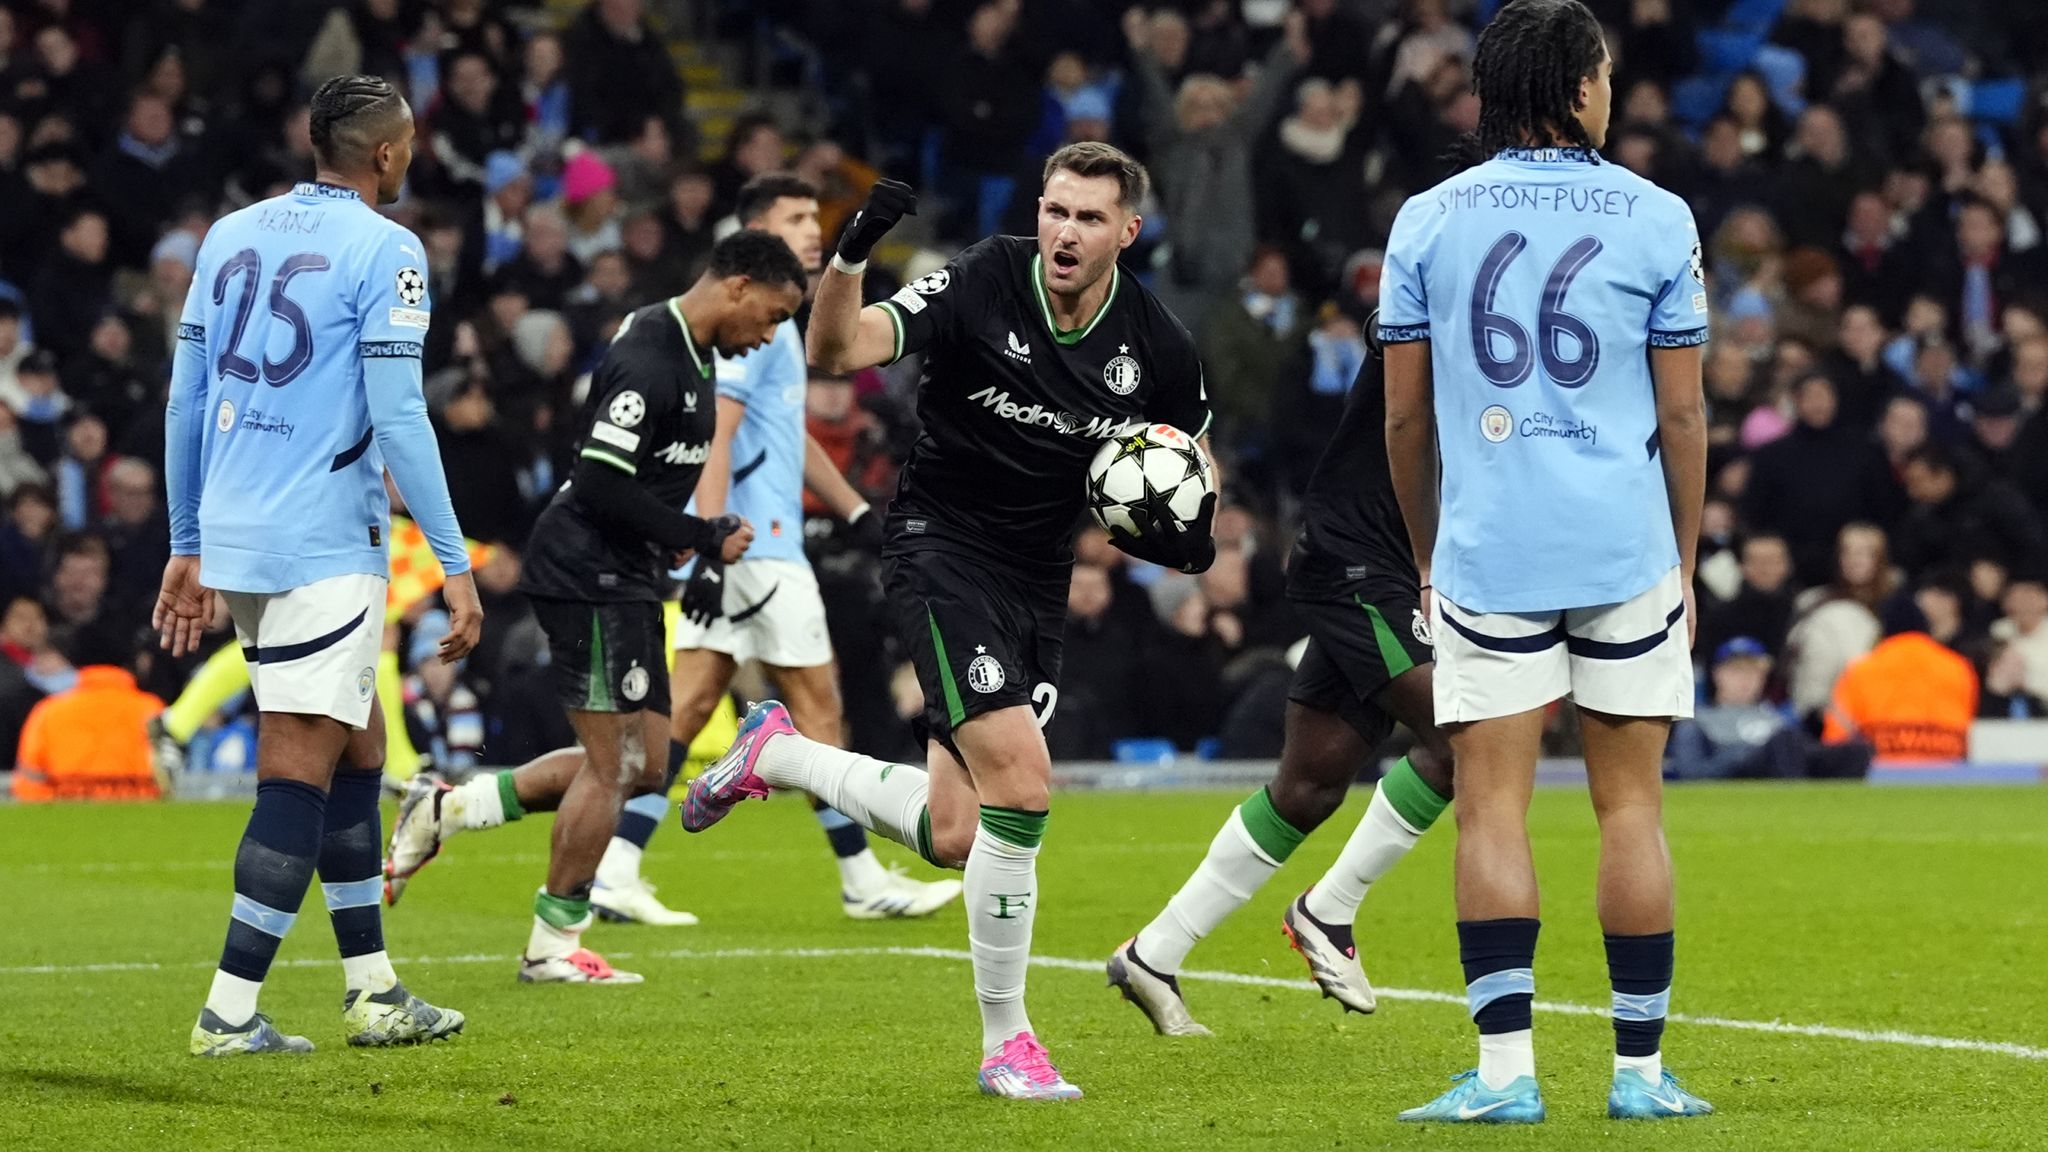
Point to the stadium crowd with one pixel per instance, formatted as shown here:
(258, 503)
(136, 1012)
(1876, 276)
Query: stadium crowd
(1870, 180)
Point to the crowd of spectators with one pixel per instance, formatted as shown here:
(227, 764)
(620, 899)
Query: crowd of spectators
(1870, 179)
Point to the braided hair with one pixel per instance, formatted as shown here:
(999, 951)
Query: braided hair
(349, 116)
(1527, 71)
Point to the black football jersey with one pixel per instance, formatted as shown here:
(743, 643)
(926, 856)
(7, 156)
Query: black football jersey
(652, 410)
(1013, 409)
(1351, 524)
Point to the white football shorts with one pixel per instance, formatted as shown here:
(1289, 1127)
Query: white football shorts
(773, 614)
(313, 650)
(1628, 659)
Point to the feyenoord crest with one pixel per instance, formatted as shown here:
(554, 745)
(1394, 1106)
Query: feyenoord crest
(1496, 423)
(1420, 626)
(1121, 373)
(985, 675)
(633, 686)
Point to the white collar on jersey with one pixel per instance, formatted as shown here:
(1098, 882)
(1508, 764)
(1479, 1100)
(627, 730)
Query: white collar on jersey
(324, 191)
(1549, 155)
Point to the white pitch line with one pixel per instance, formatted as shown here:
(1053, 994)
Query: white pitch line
(1070, 964)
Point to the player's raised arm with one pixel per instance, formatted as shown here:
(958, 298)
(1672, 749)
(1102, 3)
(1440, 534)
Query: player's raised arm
(845, 337)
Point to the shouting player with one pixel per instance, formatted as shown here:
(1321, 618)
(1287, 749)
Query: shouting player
(1367, 666)
(599, 557)
(1036, 351)
(296, 384)
(1543, 314)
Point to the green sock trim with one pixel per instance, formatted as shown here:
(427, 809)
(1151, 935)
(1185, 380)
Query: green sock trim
(924, 839)
(1270, 831)
(508, 797)
(1014, 825)
(560, 911)
(1414, 801)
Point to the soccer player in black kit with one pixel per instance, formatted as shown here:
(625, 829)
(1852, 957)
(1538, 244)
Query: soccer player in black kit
(1352, 578)
(1036, 352)
(601, 549)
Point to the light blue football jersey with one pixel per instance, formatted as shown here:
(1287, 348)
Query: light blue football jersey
(768, 449)
(1541, 279)
(296, 383)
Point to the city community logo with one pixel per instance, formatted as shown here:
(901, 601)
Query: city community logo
(1496, 423)
(1121, 373)
(412, 286)
(628, 409)
(224, 416)
(635, 683)
(985, 674)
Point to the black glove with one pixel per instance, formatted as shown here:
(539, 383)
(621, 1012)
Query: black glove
(704, 591)
(888, 202)
(864, 529)
(1161, 540)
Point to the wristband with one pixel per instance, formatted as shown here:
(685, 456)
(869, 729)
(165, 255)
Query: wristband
(859, 512)
(839, 262)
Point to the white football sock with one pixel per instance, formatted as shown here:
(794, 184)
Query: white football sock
(862, 874)
(1227, 877)
(884, 798)
(1376, 845)
(371, 972)
(1651, 1066)
(620, 866)
(548, 940)
(1506, 1055)
(1002, 897)
(474, 803)
(232, 998)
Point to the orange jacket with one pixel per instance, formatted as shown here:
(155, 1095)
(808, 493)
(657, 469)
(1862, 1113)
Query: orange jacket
(89, 743)
(1911, 697)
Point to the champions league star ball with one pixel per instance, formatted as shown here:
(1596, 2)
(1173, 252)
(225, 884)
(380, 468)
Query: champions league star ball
(1156, 470)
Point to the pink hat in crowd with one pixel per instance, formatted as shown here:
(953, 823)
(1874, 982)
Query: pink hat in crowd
(585, 175)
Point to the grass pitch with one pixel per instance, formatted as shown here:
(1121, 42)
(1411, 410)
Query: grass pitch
(779, 1023)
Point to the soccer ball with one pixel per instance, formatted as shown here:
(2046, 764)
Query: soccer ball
(1157, 469)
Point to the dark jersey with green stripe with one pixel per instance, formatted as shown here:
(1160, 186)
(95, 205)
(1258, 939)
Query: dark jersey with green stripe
(1013, 409)
(1351, 525)
(652, 410)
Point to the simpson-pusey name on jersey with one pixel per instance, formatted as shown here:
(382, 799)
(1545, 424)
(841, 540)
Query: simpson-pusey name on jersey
(1539, 198)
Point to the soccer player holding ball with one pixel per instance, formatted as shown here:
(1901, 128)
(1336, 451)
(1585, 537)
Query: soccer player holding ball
(1036, 351)
(1543, 314)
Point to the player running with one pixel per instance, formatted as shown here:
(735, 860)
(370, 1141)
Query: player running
(1559, 301)
(1367, 666)
(1035, 352)
(296, 384)
(767, 606)
(778, 617)
(598, 560)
